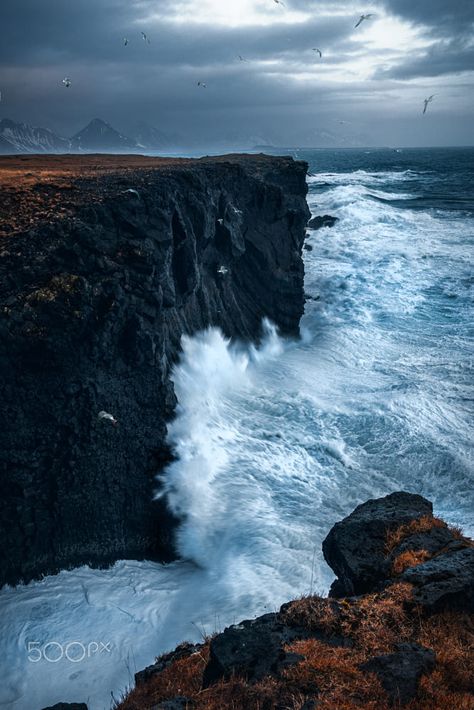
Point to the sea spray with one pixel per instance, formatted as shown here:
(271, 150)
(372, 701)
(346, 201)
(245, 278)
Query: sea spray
(210, 369)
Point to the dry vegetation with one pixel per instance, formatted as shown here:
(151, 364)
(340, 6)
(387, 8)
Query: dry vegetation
(372, 624)
(420, 525)
(409, 558)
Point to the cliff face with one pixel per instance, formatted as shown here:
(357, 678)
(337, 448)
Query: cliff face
(93, 306)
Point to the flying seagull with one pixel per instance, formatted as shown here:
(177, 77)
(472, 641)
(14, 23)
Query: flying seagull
(145, 38)
(222, 270)
(315, 49)
(67, 82)
(279, 2)
(220, 221)
(132, 191)
(428, 101)
(202, 84)
(242, 59)
(125, 41)
(109, 417)
(362, 18)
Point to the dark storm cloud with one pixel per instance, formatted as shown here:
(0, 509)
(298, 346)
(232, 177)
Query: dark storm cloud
(450, 24)
(438, 60)
(283, 93)
(447, 18)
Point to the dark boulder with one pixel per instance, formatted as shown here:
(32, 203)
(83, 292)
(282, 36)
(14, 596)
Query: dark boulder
(355, 548)
(252, 649)
(445, 582)
(322, 221)
(400, 672)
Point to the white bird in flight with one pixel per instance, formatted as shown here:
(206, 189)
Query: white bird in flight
(362, 18)
(222, 270)
(315, 49)
(202, 85)
(428, 101)
(109, 417)
(242, 59)
(132, 191)
(125, 41)
(67, 82)
(279, 2)
(145, 38)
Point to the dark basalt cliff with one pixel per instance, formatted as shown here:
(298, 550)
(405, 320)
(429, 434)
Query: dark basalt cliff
(105, 263)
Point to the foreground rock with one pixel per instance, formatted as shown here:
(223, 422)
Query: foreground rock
(105, 262)
(445, 582)
(356, 547)
(405, 640)
(364, 548)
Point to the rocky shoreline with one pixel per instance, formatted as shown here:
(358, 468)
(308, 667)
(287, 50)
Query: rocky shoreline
(396, 631)
(105, 262)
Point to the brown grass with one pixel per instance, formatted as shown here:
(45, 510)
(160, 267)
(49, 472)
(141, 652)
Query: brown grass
(331, 674)
(420, 525)
(374, 622)
(334, 674)
(330, 671)
(409, 558)
(183, 677)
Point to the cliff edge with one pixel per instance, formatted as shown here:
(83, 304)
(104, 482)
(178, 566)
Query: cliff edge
(396, 631)
(105, 262)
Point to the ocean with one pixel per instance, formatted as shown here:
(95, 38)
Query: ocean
(278, 442)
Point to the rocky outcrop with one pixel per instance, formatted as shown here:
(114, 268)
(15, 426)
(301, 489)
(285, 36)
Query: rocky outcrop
(356, 547)
(320, 221)
(364, 548)
(404, 636)
(93, 306)
(444, 582)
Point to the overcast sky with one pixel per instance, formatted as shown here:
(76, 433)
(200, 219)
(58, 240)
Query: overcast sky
(367, 89)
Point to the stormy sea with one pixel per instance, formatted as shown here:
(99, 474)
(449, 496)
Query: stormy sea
(276, 443)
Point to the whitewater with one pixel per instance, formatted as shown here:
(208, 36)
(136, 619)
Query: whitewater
(277, 442)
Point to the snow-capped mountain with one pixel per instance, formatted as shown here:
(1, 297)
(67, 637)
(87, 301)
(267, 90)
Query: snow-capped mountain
(152, 138)
(99, 136)
(22, 138)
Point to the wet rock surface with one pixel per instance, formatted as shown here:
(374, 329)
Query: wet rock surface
(320, 221)
(102, 270)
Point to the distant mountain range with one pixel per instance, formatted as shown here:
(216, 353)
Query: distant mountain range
(97, 136)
